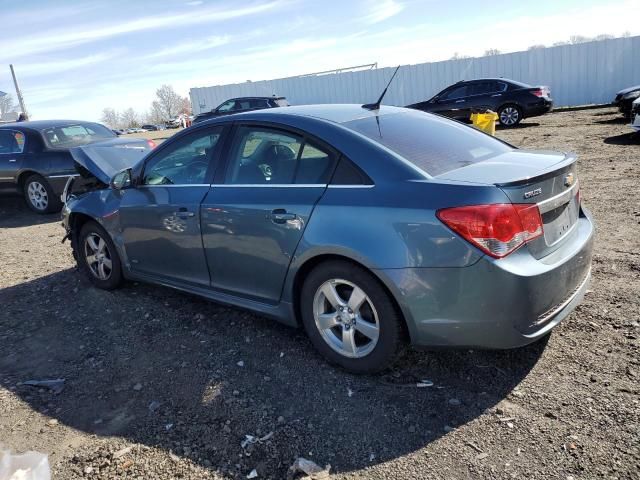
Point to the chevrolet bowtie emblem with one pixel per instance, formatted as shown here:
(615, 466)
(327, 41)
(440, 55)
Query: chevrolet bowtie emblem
(568, 180)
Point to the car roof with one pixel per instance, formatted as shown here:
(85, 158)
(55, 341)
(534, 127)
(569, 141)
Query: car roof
(42, 124)
(254, 98)
(336, 113)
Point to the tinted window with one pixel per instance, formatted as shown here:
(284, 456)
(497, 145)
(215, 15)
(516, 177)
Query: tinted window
(433, 144)
(185, 162)
(454, 93)
(348, 174)
(227, 106)
(481, 88)
(11, 141)
(500, 87)
(259, 103)
(265, 156)
(75, 135)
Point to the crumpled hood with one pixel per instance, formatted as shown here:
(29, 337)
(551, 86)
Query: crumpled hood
(627, 90)
(105, 159)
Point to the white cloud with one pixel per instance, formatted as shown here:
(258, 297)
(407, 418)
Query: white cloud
(47, 68)
(51, 40)
(380, 10)
(191, 46)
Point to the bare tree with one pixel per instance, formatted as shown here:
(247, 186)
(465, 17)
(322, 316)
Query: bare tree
(575, 39)
(154, 115)
(185, 108)
(457, 56)
(603, 36)
(7, 105)
(491, 52)
(129, 118)
(536, 47)
(168, 102)
(109, 117)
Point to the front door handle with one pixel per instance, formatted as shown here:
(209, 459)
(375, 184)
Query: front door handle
(280, 215)
(497, 95)
(12, 160)
(460, 101)
(184, 213)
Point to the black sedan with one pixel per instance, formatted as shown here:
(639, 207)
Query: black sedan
(512, 100)
(35, 159)
(624, 99)
(244, 104)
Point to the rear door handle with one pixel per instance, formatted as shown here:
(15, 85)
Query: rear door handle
(12, 160)
(496, 95)
(280, 215)
(460, 101)
(184, 213)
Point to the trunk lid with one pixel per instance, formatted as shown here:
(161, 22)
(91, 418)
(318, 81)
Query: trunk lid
(548, 179)
(104, 159)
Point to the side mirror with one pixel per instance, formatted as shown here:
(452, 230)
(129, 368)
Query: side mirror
(122, 179)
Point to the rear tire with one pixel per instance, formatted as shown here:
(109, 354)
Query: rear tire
(509, 115)
(39, 195)
(98, 258)
(350, 318)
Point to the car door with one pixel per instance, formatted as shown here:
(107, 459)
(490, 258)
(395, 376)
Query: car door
(160, 217)
(453, 103)
(12, 147)
(254, 216)
(479, 95)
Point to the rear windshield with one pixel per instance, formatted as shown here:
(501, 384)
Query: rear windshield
(433, 144)
(75, 135)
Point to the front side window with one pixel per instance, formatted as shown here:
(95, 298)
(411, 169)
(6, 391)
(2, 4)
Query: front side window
(227, 106)
(454, 93)
(186, 162)
(262, 156)
(11, 141)
(75, 135)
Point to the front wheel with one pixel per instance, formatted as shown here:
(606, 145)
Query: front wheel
(39, 195)
(350, 318)
(509, 115)
(98, 257)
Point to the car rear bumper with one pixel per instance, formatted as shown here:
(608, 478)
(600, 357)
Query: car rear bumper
(496, 304)
(544, 106)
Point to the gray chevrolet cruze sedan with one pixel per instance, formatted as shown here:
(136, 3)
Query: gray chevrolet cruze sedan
(367, 227)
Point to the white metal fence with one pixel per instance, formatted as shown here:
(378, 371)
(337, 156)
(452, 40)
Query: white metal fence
(580, 74)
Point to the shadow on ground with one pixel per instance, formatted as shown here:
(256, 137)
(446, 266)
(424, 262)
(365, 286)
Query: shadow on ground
(617, 120)
(632, 138)
(521, 125)
(120, 351)
(15, 213)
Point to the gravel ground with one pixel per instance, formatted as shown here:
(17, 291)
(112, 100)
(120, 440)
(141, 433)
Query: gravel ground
(160, 384)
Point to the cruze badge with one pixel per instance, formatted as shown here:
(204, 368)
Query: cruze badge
(533, 193)
(568, 180)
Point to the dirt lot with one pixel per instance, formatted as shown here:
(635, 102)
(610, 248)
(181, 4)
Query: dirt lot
(159, 371)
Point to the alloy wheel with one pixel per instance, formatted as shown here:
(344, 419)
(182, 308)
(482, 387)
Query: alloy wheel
(98, 256)
(38, 195)
(346, 318)
(509, 116)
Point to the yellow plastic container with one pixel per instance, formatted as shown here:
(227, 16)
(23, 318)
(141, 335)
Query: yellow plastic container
(485, 121)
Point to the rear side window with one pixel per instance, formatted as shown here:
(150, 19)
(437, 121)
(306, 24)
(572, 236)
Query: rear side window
(11, 141)
(75, 135)
(433, 144)
(454, 93)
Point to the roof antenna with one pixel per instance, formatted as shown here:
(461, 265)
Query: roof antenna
(376, 106)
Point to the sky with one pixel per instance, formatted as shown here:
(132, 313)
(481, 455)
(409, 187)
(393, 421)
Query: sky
(74, 58)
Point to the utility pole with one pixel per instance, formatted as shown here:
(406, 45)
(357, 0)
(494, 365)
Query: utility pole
(19, 94)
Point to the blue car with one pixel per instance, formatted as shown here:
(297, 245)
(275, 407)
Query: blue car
(368, 228)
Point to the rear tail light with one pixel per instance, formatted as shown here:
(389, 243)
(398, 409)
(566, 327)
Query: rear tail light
(496, 229)
(538, 92)
(152, 144)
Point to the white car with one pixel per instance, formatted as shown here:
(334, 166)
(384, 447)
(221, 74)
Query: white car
(635, 115)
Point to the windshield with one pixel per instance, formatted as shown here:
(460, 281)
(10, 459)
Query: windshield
(433, 144)
(75, 135)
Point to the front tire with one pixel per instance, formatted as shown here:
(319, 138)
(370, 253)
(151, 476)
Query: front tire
(350, 318)
(98, 258)
(39, 195)
(509, 115)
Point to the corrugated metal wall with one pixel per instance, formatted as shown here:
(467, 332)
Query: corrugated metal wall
(580, 74)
